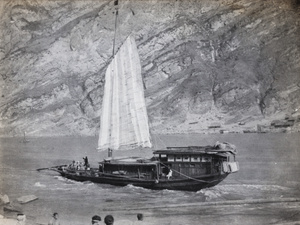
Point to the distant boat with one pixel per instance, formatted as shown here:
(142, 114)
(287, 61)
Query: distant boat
(25, 140)
(124, 125)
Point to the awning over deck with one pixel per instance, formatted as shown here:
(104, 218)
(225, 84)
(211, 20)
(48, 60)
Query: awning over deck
(130, 160)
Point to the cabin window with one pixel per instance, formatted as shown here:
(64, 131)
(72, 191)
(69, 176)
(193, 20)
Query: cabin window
(186, 159)
(171, 158)
(195, 159)
(178, 158)
(206, 159)
(163, 157)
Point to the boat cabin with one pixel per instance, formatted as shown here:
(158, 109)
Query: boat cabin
(195, 161)
(133, 167)
(175, 162)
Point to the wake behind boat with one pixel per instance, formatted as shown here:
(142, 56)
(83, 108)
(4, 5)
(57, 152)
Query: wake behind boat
(124, 125)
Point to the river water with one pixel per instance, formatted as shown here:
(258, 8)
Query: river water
(269, 170)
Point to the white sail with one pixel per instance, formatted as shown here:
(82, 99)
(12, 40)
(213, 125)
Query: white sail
(124, 120)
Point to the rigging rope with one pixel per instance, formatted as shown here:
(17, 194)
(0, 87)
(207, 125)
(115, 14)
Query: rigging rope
(163, 143)
(191, 178)
(156, 138)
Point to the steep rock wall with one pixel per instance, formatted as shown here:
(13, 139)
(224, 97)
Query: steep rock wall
(203, 62)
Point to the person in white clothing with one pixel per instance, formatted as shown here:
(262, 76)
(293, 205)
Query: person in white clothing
(169, 174)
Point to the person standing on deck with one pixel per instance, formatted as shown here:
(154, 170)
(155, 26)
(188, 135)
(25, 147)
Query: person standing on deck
(86, 162)
(72, 165)
(169, 174)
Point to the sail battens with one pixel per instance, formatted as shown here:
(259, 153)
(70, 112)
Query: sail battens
(115, 135)
(136, 84)
(124, 120)
(105, 115)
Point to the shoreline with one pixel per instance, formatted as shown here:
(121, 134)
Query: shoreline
(275, 124)
(205, 132)
(151, 215)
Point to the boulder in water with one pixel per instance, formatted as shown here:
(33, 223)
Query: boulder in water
(5, 221)
(10, 208)
(27, 198)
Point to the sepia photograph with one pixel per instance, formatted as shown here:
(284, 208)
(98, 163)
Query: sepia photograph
(154, 112)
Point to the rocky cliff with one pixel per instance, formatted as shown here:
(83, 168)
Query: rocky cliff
(204, 63)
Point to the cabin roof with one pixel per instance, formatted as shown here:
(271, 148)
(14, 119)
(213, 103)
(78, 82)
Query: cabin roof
(130, 160)
(195, 150)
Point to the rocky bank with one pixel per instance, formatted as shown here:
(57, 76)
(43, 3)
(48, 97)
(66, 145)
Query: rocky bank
(234, 63)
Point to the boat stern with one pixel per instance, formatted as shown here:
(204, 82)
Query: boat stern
(230, 167)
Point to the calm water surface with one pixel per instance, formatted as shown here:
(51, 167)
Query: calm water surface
(269, 169)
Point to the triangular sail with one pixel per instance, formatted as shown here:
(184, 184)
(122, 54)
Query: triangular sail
(124, 120)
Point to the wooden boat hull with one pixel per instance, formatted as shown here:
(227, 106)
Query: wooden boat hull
(191, 184)
(176, 168)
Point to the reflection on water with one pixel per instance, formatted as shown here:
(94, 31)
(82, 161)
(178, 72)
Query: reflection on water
(269, 168)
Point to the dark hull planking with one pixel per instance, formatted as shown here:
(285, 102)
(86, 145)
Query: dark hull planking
(194, 184)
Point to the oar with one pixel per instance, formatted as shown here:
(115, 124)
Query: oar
(49, 168)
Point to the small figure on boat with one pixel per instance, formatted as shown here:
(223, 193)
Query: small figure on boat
(72, 166)
(169, 174)
(100, 168)
(79, 165)
(54, 220)
(86, 164)
(86, 161)
(96, 220)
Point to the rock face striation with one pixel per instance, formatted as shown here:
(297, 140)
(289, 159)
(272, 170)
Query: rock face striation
(203, 62)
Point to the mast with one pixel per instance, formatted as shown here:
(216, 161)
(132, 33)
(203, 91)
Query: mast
(116, 4)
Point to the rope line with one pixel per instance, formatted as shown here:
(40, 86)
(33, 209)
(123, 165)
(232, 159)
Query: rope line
(133, 178)
(191, 178)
